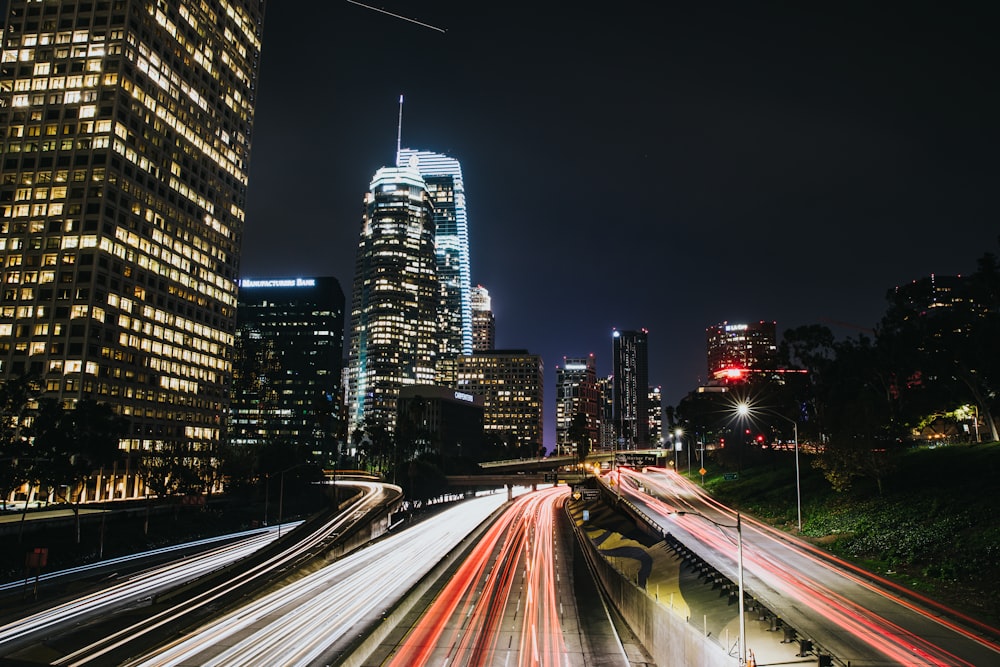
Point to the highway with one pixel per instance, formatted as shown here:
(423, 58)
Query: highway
(83, 623)
(511, 602)
(316, 618)
(132, 590)
(854, 616)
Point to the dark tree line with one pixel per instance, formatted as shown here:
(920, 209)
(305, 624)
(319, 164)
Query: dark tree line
(46, 446)
(860, 400)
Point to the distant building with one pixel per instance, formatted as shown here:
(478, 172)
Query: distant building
(734, 350)
(443, 177)
(654, 407)
(441, 420)
(511, 383)
(606, 413)
(630, 386)
(395, 299)
(577, 397)
(926, 297)
(483, 323)
(287, 367)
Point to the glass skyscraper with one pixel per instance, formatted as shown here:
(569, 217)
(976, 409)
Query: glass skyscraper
(395, 300)
(287, 366)
(443, 176)
(125, 131)
(630, 386)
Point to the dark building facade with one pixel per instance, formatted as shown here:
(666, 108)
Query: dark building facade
(440, 419)
(287, 367)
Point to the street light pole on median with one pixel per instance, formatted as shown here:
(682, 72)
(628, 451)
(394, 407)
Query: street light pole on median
(281, 491)
(742, 642)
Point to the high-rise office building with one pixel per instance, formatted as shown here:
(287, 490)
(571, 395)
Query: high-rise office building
(630, 359)
(125, 137)
(577, 399)
(394, 305)
(734, 350)
(484, 330)
(511, 383)
(654, 408)
(443, 177)
(287, 366)
(606, 413)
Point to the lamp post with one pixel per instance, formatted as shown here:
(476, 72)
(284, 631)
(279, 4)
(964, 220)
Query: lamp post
(744, 410)
(281, 491)
(742, 643)
(677, 443)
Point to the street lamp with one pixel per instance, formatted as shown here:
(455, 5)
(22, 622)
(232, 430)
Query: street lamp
(744, 410)
(742, 644)
(281, 491)
(677, 443)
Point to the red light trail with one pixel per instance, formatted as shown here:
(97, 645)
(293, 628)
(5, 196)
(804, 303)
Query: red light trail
(463, 623)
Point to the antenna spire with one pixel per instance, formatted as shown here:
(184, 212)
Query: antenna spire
(399, 130)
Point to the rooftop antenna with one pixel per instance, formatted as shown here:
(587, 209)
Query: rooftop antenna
(399, 130)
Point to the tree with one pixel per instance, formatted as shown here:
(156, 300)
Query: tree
(16, 395)
(69, 445)
(945, 355)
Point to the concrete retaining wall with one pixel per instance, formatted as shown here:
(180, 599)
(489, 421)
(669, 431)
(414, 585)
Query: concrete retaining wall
(666, 636)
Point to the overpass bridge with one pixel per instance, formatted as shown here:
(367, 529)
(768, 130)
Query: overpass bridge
(630, 457)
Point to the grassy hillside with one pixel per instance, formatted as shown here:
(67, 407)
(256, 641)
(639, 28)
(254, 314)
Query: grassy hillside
(935, 528)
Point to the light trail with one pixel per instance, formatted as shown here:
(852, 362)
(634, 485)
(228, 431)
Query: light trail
(775, 576)
(270, 532)
(397, 16)
(297, 624)
(135, 588)
(462, 625)
(374, 493)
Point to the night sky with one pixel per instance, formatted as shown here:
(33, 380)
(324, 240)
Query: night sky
(626, 167)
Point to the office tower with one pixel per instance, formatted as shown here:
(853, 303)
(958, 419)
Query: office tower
(577, 399)
(394, 305)
(511, 383)
(631, 373)
(125, 136)
(654, 408)
(734, 350)
(483, 325)
(606, 412)
(443, 176)
(287, 367)
(439, 419)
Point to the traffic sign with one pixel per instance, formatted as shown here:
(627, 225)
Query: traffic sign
(731, 476)
(702, 472)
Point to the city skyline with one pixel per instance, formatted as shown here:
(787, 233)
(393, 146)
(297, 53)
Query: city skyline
(724, 163)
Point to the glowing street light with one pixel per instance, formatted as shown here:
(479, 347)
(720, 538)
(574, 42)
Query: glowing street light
(742, 645)
(744, 410)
